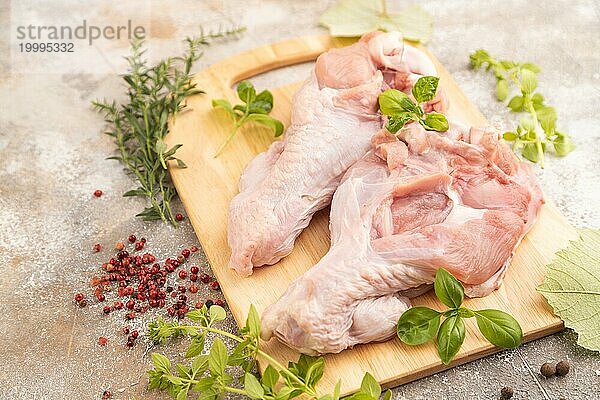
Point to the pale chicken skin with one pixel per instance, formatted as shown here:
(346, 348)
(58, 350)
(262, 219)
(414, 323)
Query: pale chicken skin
(460, 200)
(334, 115)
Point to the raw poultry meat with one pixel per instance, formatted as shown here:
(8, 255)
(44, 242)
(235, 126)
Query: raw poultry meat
(334, 115)
(459, 200)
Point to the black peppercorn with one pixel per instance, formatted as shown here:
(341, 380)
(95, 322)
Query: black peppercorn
(506, 393)
(562, 368)
(548, 369)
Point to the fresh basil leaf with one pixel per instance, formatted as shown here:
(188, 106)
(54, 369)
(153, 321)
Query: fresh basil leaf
(516, 103)
(315, 372)
(465, 312)
(396, 122)
(390, 102)
(205, 383)
(183, 394)
(418, 325)
(528, 124)
(509, 136)
(528, 81)
(499, 328)
(435, 122)
(246, 92)
(450, 337)
(208, 394)
(200, 364)
(547, 119)
(448, 289)
(253, 387)
(387, 395)
(217, 313)
(370, 386)
(253, 322)
(217, 357)
(196, 346)
(265, 96)
(337, 390)
(502, 89)
(134, 192)
(507, 64)
(531, 67)
(161, 363)
(270, 122)
(563, 145)
(260, 107)
(530, 152)
(224, 104)
(183, 371)
(425, 88)
(269, 377)
(537, 99)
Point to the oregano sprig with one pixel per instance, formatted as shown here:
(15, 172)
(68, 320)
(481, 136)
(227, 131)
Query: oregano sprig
(419, 325)
(401, 109)
(139, 125)
(208, 375)
(255, 107)
(527, 137)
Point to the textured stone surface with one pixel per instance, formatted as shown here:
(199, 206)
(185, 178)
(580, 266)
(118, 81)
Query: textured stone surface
(52, 157)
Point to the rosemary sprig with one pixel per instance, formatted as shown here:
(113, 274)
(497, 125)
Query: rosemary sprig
(207, 375)
(139, 126)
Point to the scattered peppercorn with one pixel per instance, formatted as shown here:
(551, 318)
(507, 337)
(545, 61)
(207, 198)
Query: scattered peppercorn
(97, 247)
(118, 305)
(119, 246)
(182, 274)
(83, 303)
(134, 334)
(102, 341)
(194, 249)
(215, 285)
(562, 368)
(193, 277)
(193, 288)
(79, 297)
(180, 259)
(98, 193)
(185, 252)
(139, 246)
(199, 304)
(126, 330)
(204, 277)
(194, 269)
(548, 369)
(179, 217)
(100, 297)
(106, 395)
(130, 315)
(220, 303)
(106, 310)
(131, 238)
(506, 393)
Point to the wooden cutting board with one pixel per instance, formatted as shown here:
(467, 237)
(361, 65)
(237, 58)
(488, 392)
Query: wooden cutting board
(208, 184)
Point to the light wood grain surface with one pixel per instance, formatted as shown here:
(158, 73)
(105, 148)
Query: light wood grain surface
(208, 184)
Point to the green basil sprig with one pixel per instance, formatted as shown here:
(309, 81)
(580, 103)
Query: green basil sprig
(419, 325)
(527, 136)
(401, 109)
(255, 107)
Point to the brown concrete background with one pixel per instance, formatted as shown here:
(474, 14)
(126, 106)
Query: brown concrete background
(52, 157)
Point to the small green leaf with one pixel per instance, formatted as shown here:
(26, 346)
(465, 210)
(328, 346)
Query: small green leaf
(161, 363)
(396, 122)
(502, 89)
(394, 102)
(337, 390)
(465, 312)
(260, 107)
(528, 81)
(217, 357)
(370, 386)
(224, 104)
(217, 313)
(268, 121)
(425, 88)
(448, 289)
(528, 124)
(537, 99)
(208, 394)
(547, 119)
(418, 325)
(499, 328)
(516, 103)
(246, 92)
(315, 372)
(530, 152)
(450, 338)
(435, 122)
(253, 322)
(253, 387)
(265, 96)
(180, 163)
(531, 67)
(509, 136)
(134, 192)
(200, 364)
(269, 377)
(563, 145)
(183, 394)
(507, 64)
(196, 346)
